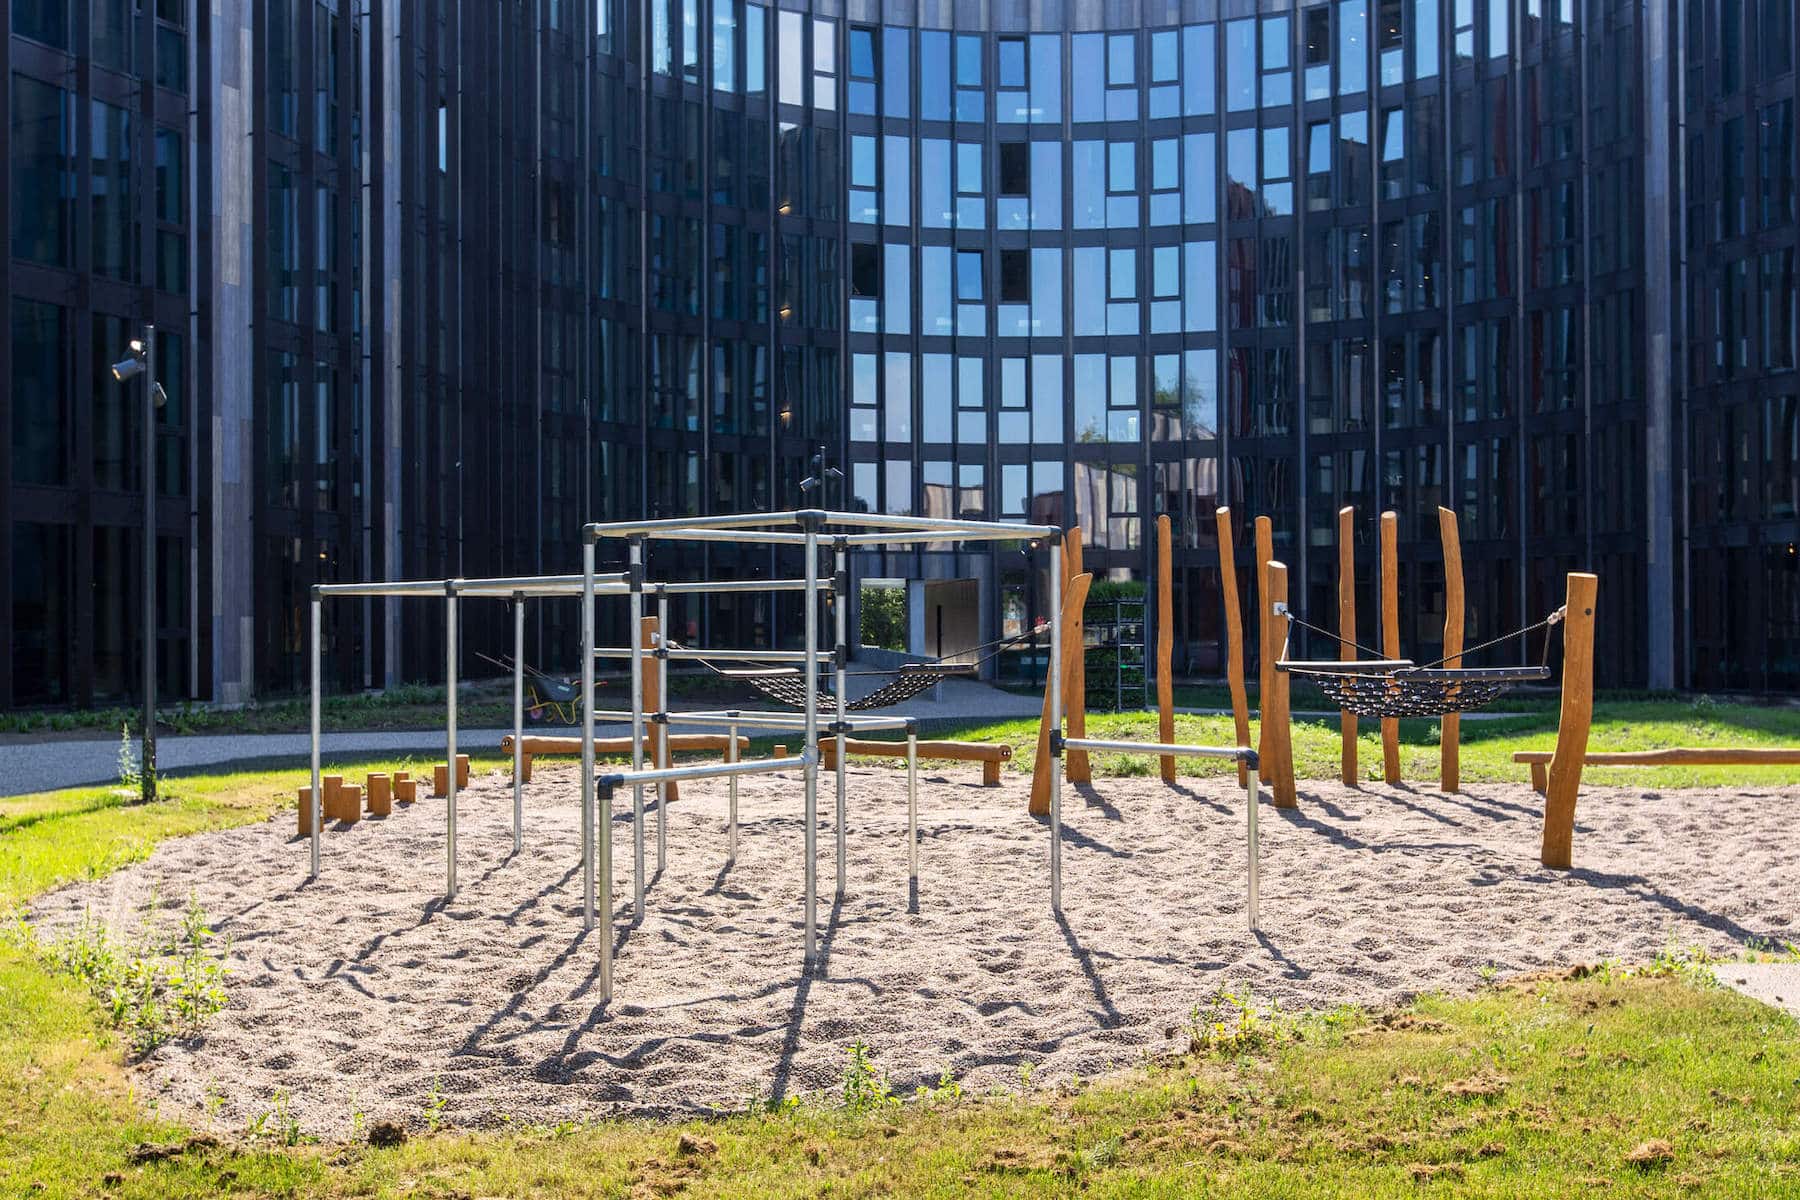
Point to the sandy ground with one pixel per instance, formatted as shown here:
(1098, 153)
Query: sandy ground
(354, 993)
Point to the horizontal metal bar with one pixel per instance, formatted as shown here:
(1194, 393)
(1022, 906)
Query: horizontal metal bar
(538, 585)
(907, 537)
(1349, 666)
(1236, 753)
(784, 720)
(992, 529)
(1475, 674)
(725, 586)
(754, 766)
(733, 536)
(662, 525)
(687, 654)
(396, 587)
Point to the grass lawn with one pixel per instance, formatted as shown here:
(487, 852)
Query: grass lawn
(1645, 1083)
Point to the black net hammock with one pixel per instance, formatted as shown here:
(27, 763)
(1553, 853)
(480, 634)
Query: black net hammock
(1399, 687)
(787, 685)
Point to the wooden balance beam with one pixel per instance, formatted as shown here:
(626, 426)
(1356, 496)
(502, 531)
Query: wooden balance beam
(540, 744)
(989, 754)
(1698, 756)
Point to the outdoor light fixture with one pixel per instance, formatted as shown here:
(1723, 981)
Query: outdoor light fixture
(140, 359)
(822, 471)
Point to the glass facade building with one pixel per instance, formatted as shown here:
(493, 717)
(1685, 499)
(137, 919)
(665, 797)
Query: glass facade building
(441, 280)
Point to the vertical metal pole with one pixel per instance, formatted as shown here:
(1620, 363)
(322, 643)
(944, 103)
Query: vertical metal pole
(662, 729)
(450, 771)
(316, 814)
(636, 567)
(839, 604)
(148, 765)
(587, 746)
(519, 722)
(731, 756)
(912, 803)
(1055, 686)
(1255, 851)
(811, 744)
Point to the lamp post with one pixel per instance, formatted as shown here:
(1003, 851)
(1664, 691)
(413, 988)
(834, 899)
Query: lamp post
(821, 463)
(140, 359)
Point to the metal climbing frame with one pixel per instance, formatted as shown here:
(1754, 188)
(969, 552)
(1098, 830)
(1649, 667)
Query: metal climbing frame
(812, 530)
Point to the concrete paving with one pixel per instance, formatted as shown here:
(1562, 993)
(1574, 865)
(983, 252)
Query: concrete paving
(47, 765)
(1777, 984)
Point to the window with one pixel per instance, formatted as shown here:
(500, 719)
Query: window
(1015, 168)
(43, 172)
(1015, 276)
(284, 100)
(1165, 181)
(896, 69)
(824, 65)
(1277, 174)
(1353, 46)
(113, 208)
(971, 307)
(971, 189)
(1197, 43)
(1277, 82)
(1390, 45)
(1240, 65)
(42, 382)
(1165, 74)
(1318, 166)
(969, 96)
(865, 270)
(45, 21)
(863, 43)
(1315, 29)
(865, 207)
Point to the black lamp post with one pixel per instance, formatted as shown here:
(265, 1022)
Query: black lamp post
(140, 359)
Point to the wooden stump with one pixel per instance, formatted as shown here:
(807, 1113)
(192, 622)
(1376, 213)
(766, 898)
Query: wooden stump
(381, 795)
(780, 751)
(1572, 729)
(406, 791)
(1165, 641)
(1390, 635)
(350, 801)
(1347, 637)
(306, 812)
(462, 771)
(332, 785)
(1234, 634)
(440, 781)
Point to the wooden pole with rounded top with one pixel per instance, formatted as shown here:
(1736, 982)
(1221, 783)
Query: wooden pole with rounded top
(1056, 675)
(1450, 741)
(1572, 728)
(1390, 635)
(1234, 633)
(1076, 768)
(1165, 641)
(1278, 763)
(1265, 675)
(1346, 532)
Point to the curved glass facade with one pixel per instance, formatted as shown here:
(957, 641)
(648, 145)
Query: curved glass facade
(444, 279)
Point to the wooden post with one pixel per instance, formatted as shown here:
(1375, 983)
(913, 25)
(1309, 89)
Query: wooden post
(1234, 633)
(1346, 532)
(306, 811)
(1265, 676)
(653, 702)
(1577, 716)
(1165, 641)
(462, 771)
(330, 785)
(1076, 768)
(406, 791)
(1390, 635)
(1056, 675)
(778, 751)
(440, 780)
(381, 795)
(1278, 767)
(1450, 741)
(350, 800)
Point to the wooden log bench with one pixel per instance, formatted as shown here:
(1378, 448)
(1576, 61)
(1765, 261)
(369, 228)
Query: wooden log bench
(1697, 756)
(541, 744)
(989, 754)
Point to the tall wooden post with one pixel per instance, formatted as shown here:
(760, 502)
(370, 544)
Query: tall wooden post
(1165, 641)
(1265, 674)
(653, 703)
(1076, 768)
(1390, 635)
(1278, 763)
(1577, 717)
(1056, 675)
(1347, 635)
(1450, 743)
(1234, 633)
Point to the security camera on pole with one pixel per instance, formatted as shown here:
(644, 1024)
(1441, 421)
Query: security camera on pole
(140, 359)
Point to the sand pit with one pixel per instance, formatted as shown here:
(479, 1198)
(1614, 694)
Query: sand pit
(355, 993)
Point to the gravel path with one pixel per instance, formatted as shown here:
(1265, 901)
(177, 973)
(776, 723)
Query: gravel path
(358, 991)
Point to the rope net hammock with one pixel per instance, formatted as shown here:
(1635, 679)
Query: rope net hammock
(1398, 687)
